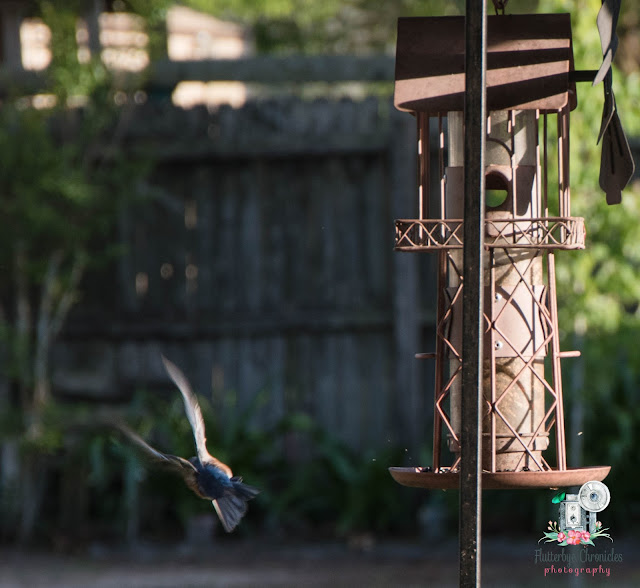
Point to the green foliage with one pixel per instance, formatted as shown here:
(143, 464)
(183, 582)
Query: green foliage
(154, 14)
(332, 487)
(45, 188)
(332, 26)
(68, 77)
(599, 288)
(337, 488)
(63, 179)
(333, 492)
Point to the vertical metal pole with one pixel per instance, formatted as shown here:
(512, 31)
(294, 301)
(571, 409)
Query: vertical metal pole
(442, 280)
(561, 447)
(424, 164)
(472, 301)
(492, 360)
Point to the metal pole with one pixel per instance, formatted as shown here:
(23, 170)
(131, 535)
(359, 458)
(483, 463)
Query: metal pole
(472, 301)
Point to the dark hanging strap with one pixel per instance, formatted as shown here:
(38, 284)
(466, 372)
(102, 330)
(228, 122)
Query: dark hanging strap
(607, 22)
(500, 6)
(616, 163)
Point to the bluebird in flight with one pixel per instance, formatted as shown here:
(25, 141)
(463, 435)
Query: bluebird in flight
(207, 476)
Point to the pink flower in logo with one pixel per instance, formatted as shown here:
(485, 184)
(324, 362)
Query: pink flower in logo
(574, 537)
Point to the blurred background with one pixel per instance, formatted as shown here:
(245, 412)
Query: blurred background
(216, 180)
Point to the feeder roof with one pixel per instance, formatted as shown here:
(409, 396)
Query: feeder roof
(529, 57)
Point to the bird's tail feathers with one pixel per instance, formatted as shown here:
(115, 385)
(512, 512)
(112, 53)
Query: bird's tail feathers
(233, 505)
(230, 509)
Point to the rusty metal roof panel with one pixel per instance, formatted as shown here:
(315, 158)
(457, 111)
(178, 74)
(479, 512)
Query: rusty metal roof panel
(529, 57)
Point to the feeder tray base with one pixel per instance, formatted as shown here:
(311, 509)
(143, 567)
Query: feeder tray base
(417, 478)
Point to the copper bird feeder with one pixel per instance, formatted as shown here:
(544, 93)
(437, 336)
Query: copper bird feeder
(529, 87)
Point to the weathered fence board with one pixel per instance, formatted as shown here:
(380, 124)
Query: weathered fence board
(270, 69)
(163, 75)
(261, 260)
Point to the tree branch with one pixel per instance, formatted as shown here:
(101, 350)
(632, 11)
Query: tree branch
(69, 295)
(23, 319)
(43, 331)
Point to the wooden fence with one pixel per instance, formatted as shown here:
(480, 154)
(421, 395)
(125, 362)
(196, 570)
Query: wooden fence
(263, 261)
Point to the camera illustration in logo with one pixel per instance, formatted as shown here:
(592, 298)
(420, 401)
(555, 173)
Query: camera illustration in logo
(578, 511)
(578, 522)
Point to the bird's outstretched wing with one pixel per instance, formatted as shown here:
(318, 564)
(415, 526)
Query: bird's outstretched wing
(233, 504)
(194, 414)
(191, 406)
(174, 463)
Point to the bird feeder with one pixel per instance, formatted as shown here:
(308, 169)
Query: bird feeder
(530, 91)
